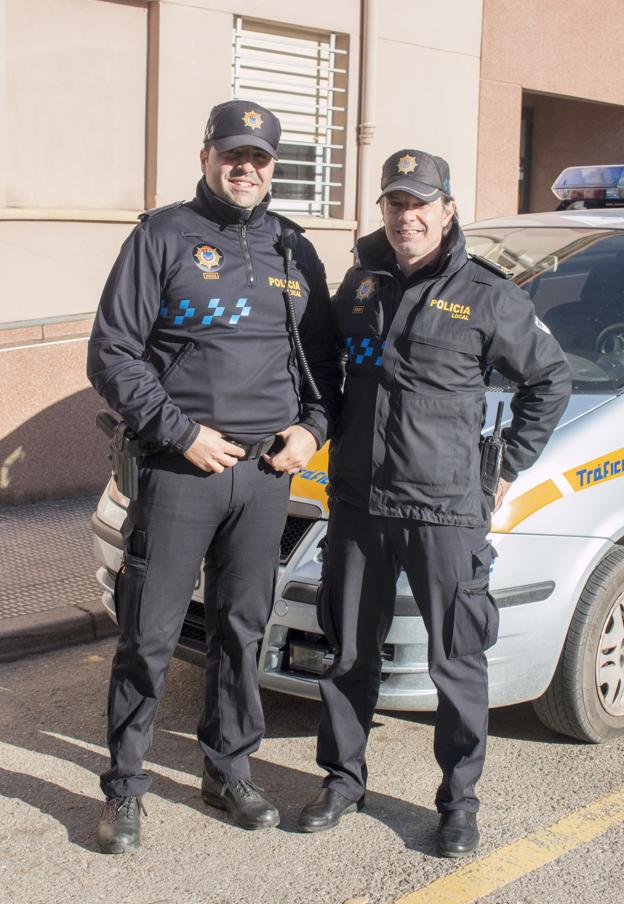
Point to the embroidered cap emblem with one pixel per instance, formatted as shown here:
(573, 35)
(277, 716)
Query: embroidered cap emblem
(407, 164)
(252, 120)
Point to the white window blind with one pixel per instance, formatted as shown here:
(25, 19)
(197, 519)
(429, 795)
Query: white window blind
(301, 77)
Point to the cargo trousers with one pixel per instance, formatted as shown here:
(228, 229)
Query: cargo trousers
(231, 523)
(448, 569)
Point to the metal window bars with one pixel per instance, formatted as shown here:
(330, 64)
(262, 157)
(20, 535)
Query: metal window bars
(294, 73)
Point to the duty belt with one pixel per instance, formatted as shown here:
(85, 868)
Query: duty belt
(256, 449)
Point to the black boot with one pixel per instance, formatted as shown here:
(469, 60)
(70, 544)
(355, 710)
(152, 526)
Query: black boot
(242, 800)
(119, 828)
(326, 810)
(458, 834)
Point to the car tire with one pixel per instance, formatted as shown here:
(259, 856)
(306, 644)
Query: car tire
(585, 699)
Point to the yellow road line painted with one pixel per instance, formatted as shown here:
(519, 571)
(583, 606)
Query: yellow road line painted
(483, 876)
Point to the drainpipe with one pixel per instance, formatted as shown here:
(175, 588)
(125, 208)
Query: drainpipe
(366, 126)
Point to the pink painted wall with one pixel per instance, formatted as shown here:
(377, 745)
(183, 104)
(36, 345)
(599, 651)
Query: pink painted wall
(558, 48)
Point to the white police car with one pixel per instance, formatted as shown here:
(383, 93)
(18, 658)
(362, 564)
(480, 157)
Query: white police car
(559, 576)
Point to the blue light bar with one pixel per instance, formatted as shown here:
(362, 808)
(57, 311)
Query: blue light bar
(595, 183)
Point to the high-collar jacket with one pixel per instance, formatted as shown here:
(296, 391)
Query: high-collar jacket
(418, 351)
(192, 327)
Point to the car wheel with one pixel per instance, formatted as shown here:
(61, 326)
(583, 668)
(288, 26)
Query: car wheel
(586, 696)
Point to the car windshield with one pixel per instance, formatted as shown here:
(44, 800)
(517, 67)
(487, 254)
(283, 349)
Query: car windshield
(575, 278)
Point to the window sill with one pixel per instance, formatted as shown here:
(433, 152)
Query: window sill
(49, 214)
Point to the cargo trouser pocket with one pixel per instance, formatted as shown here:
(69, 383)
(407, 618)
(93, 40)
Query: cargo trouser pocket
(475, 615)
(129, 591)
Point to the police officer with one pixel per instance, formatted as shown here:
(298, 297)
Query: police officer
(421, 323)
(191, 345)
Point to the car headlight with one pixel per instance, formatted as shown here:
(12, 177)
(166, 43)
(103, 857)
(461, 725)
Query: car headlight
(116, 496)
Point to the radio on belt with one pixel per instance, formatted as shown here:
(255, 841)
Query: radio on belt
(492, 453)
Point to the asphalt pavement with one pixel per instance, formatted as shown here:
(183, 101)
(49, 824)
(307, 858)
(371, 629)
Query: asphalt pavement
(48, 593)
(552, 820)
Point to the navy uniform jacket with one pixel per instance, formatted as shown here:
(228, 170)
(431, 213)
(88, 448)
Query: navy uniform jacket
(192, 327)
(407, 440)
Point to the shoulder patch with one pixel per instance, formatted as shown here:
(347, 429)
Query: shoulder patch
(491, 266)
(156, 210)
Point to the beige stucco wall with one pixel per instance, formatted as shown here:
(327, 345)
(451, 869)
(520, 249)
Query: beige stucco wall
(73, 109)
(560, 48)
(52, 268)
(75, 104)
(428, 89)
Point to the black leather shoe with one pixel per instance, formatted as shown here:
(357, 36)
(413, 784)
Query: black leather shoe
(242, 800)
(119, 828)
(458, 834)
(326, 810)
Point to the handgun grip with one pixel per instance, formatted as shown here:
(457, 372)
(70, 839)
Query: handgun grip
(106, 422)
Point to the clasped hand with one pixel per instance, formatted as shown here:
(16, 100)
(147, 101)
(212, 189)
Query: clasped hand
(210, 451)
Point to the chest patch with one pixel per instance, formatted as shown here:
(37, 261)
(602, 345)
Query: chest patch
(294, 286)
(209, 259)
(365, 290)
(455, 310)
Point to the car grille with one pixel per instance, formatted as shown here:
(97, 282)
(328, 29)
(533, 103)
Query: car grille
(193, 632)
(294, 531)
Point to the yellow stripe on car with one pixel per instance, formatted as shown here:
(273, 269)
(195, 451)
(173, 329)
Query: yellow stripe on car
(518, 509)
(311, 483)
(598, 470)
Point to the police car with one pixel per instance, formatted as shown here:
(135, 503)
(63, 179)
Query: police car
(559, 576)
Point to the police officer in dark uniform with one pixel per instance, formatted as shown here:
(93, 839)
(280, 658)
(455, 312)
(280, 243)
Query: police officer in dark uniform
(193, 347)
(422, 323)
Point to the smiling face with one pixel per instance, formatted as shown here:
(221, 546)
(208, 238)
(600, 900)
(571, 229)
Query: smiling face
(241, 176)
(414, 228)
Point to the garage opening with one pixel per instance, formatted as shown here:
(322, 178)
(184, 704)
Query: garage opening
(557, 132)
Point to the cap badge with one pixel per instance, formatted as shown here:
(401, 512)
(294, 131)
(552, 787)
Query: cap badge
(407, 164)
(252, 119)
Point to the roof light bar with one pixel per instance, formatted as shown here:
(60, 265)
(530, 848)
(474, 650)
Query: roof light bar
(585, 183)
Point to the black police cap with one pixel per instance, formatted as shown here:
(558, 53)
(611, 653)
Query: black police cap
(416, 172)
(241, 123)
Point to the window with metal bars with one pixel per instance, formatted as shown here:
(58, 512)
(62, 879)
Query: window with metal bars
(301, 76)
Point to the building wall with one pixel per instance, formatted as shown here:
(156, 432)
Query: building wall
(558, 142)
(562, 48)
(102, 111)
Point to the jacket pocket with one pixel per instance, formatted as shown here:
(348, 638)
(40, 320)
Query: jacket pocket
(177, 361)
(129, 591)
(426, 439)
(475, 614)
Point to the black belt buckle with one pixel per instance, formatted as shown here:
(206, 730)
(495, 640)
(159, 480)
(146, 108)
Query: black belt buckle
(255, 450)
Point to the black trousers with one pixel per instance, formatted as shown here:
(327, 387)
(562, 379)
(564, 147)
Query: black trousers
(183, 517)
(447, 568)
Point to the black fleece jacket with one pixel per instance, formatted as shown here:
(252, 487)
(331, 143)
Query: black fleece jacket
(192, 327)
(407, 441)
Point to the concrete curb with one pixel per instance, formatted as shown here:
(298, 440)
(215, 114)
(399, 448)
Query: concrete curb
(38, 632)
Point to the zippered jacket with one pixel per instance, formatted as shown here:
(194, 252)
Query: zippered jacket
(418, 353)
(192, 327)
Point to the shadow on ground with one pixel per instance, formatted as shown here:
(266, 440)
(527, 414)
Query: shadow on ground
(67, 715)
